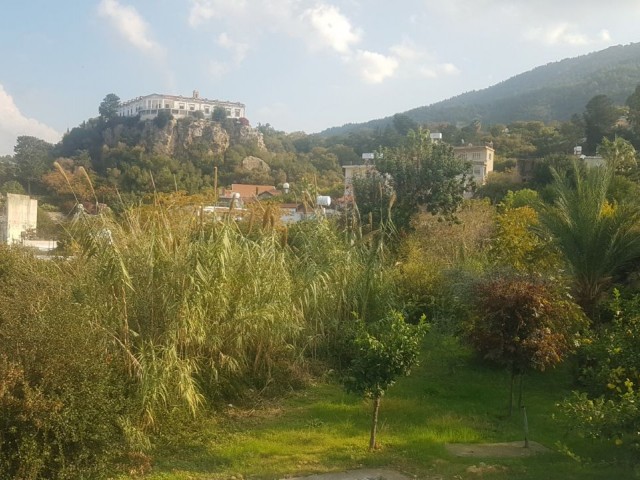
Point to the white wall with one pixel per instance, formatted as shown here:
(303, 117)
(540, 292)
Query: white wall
(22, 215)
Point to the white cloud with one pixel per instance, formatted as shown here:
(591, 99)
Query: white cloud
(448, 69)
(406, 51)
(439, 70)
(202, 11)
(560, 34)
(13, 124)
(375, 67)
(219, 69)
(417, 62)
(129, 24)
(332, 28)
(238, 49)
(572, 23)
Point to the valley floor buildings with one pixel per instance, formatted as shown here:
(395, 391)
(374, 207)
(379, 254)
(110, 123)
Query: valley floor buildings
(479, 156)
(149, 106)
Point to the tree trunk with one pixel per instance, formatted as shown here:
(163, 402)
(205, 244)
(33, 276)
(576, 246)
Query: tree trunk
(520, 392)
(513, 376)
(374, 422)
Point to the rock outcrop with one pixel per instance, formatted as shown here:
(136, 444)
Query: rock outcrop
(177, 138)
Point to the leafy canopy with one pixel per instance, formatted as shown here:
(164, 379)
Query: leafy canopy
(423, 174)
(383, 351)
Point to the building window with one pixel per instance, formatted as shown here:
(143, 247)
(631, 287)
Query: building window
(181, 106)
(206, 110)
(192, 107)
(237, 112)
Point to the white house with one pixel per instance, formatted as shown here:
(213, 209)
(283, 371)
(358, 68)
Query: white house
(148, 106)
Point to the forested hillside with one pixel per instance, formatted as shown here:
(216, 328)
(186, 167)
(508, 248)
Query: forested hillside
(550, 92)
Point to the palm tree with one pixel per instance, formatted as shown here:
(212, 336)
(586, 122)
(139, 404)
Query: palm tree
(597, 238)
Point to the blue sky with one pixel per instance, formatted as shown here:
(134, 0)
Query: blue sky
(296, 64)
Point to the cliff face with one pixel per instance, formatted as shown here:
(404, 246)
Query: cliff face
(177, 138)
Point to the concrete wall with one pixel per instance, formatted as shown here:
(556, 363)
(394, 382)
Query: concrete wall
(21, 214)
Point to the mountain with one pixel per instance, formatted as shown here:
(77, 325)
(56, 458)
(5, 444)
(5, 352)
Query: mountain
(550, 92)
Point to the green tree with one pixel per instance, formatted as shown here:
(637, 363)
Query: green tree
(163, 118)
(219, 114)
(424, 175)
(633, 115)
(498, 185)
(12, 186)
(403, 124)
(596, 238)
(345, 154)
(7, 169)
(382, 351)
(108, 108)
(517, 246)
(33, 159)
(599, 118)
(619, 155)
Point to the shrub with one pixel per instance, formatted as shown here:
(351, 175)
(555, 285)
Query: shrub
(523, 322)
(63, 401)
(610, 375)
(163, 118)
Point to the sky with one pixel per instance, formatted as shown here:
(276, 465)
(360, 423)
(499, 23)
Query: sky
(298, 65)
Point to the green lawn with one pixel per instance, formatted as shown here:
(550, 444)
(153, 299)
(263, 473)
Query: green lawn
(451, 397)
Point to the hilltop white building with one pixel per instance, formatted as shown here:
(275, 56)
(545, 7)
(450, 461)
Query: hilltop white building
(148, 106)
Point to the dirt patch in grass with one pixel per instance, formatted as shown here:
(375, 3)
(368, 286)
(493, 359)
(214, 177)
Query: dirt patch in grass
(363, 474)
(497, 450)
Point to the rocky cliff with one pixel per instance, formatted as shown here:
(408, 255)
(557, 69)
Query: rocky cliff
(176, 138)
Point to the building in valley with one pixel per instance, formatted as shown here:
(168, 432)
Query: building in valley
(481, 159)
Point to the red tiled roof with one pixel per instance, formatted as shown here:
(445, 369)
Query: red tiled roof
(252, 191)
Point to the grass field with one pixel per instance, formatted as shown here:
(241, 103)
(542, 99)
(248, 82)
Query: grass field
(450, 397)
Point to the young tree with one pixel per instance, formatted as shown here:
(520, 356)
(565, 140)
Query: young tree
(382, 351)
(523, 323)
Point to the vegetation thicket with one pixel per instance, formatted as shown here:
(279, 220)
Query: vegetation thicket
(155, 312)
